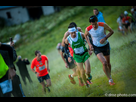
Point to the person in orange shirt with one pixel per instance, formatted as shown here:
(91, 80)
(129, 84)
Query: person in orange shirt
(41, 70)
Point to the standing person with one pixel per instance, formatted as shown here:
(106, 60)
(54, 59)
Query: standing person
(16, 83)
(100, 44)
(41, 63)
(119, 21)
(21, 63)
(6, 72)
(99, 15)
(126, 22)
(81, 55)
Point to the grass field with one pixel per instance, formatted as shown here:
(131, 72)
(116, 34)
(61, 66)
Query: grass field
(122, 55)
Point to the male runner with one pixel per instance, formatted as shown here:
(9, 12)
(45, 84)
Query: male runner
(100, 43)
(41, 69)
(69, 63)
(81, 55)
(78, 29)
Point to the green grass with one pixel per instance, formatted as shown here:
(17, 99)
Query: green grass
(45, 36)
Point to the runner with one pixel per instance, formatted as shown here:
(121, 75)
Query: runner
(67, 56)
(41, 70)
(78, 29)
(100, 43)
(81, 55)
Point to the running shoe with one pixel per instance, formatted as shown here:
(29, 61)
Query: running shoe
(111, 82)
(81, 82)
(47, 88)
(71, 79)
(87, 85)
(89, 82)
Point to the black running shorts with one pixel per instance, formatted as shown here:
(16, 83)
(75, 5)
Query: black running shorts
(104, 49)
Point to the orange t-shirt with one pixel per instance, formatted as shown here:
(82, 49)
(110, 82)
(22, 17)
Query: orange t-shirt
(40, 65)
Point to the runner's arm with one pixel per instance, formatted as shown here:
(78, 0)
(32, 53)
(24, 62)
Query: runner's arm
(48, 65)
(87, 39)
(106, 27)
(63, 40)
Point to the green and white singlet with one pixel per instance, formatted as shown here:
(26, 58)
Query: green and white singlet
(80, 51)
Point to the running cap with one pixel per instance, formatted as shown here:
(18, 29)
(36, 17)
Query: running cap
(73, 29)
(125, 12)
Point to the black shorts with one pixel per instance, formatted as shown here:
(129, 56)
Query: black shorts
(42, 78)
(70, 64)
(126, 25)
(104, 49)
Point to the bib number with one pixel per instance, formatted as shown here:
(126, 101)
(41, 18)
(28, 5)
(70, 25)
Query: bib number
(6, 86)
(42, 68)
(79, 50)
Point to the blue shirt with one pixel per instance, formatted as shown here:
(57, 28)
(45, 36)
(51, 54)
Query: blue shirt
(100, 17)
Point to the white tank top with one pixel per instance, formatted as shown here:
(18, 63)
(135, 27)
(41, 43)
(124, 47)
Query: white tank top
(97, 34)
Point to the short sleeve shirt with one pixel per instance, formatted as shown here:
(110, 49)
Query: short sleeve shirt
(40, 65)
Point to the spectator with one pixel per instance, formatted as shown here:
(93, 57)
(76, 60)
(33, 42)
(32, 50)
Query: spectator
(133, 21)
(23, 69)
(120, 26)
(6, 71)
(126, 22)
(99, 15)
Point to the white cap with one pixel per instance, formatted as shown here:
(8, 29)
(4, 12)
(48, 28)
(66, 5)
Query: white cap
(125, 12)
(132, 10)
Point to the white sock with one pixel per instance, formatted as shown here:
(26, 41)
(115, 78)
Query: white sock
(110, 80)
(71, 76)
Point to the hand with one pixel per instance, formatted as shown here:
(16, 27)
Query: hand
(11, 73)
(48, 69)
(102, 40)
(69, 59)
(37, 74)
(90, 52)
(12, 44)
(91, 48)
(66, 65)
(26, 59)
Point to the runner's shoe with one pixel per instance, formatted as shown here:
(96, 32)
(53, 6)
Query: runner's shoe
(111, 82)
(87, 85)
(89, 82)
(81, 82)
(71, 79)
(47, 88)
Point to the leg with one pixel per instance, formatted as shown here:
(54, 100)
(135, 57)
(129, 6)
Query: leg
(41, 81)
(104, 63)
(75, 72)
(87, 67)
(108, 63)
(43, 85)
(82, 71)
(48, 82)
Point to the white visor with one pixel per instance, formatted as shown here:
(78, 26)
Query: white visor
(72, 29)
